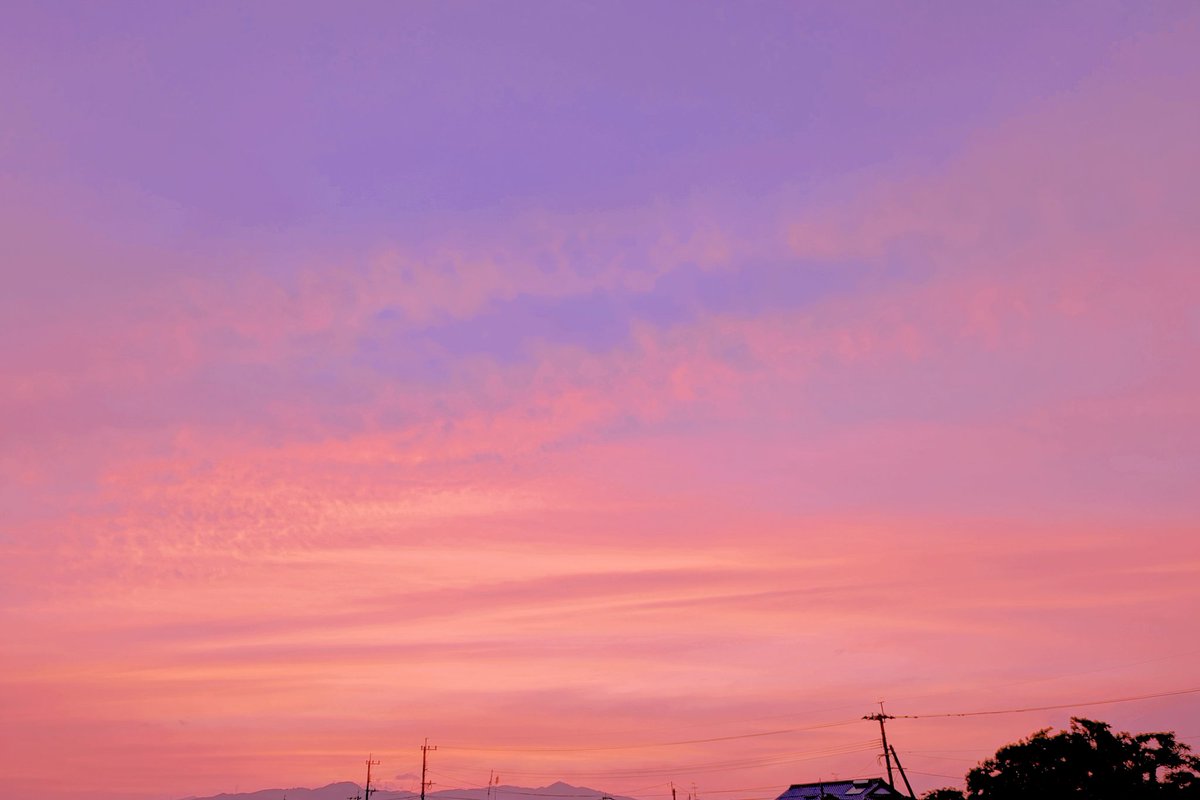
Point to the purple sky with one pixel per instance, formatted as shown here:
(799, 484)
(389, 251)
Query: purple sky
(394, 370)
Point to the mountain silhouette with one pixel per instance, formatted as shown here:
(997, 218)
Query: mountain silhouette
(346, 789)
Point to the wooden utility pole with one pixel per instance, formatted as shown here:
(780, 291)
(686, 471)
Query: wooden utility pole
(367, 790)
(425, 748)
(887, 754)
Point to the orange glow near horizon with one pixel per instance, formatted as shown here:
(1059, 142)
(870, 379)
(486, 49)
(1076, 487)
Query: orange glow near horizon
(648, 464)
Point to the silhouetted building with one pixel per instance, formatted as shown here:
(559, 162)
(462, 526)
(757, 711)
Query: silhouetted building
(841, 790)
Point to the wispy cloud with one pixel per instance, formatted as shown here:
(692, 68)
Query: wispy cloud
(651, 398)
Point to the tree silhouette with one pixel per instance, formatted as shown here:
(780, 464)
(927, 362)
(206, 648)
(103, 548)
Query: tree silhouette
(943, 794)
(1088, 761)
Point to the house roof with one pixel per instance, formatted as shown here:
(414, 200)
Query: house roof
(842, 790)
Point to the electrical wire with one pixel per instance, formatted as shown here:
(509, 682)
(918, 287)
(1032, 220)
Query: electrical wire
(1048, 708)
(920, 754)
(788, 758)
(754, 735)
(935, 774)
(802, 729)
(779, 759)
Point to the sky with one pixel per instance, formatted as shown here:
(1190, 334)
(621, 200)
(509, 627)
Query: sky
(575, 384)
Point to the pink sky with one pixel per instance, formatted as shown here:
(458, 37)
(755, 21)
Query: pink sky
(579, 376)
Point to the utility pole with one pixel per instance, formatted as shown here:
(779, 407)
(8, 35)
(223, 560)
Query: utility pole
(887, 755)
(493, 780)
(425, 748)
(367, 790)
(900, 767)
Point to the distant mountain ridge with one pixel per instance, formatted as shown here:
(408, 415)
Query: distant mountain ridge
(347, 789)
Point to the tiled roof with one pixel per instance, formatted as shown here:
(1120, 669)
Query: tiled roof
(842, 790)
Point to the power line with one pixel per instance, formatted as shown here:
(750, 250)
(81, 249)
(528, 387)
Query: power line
(937, 775)
(785, 731)
(779, 759)
(648, 745)
(802, 729)
(468, 785)
(709, 766)
(1050, 708)
(1061, 676)
(756, 788)
(924, 754)
(464, 783)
